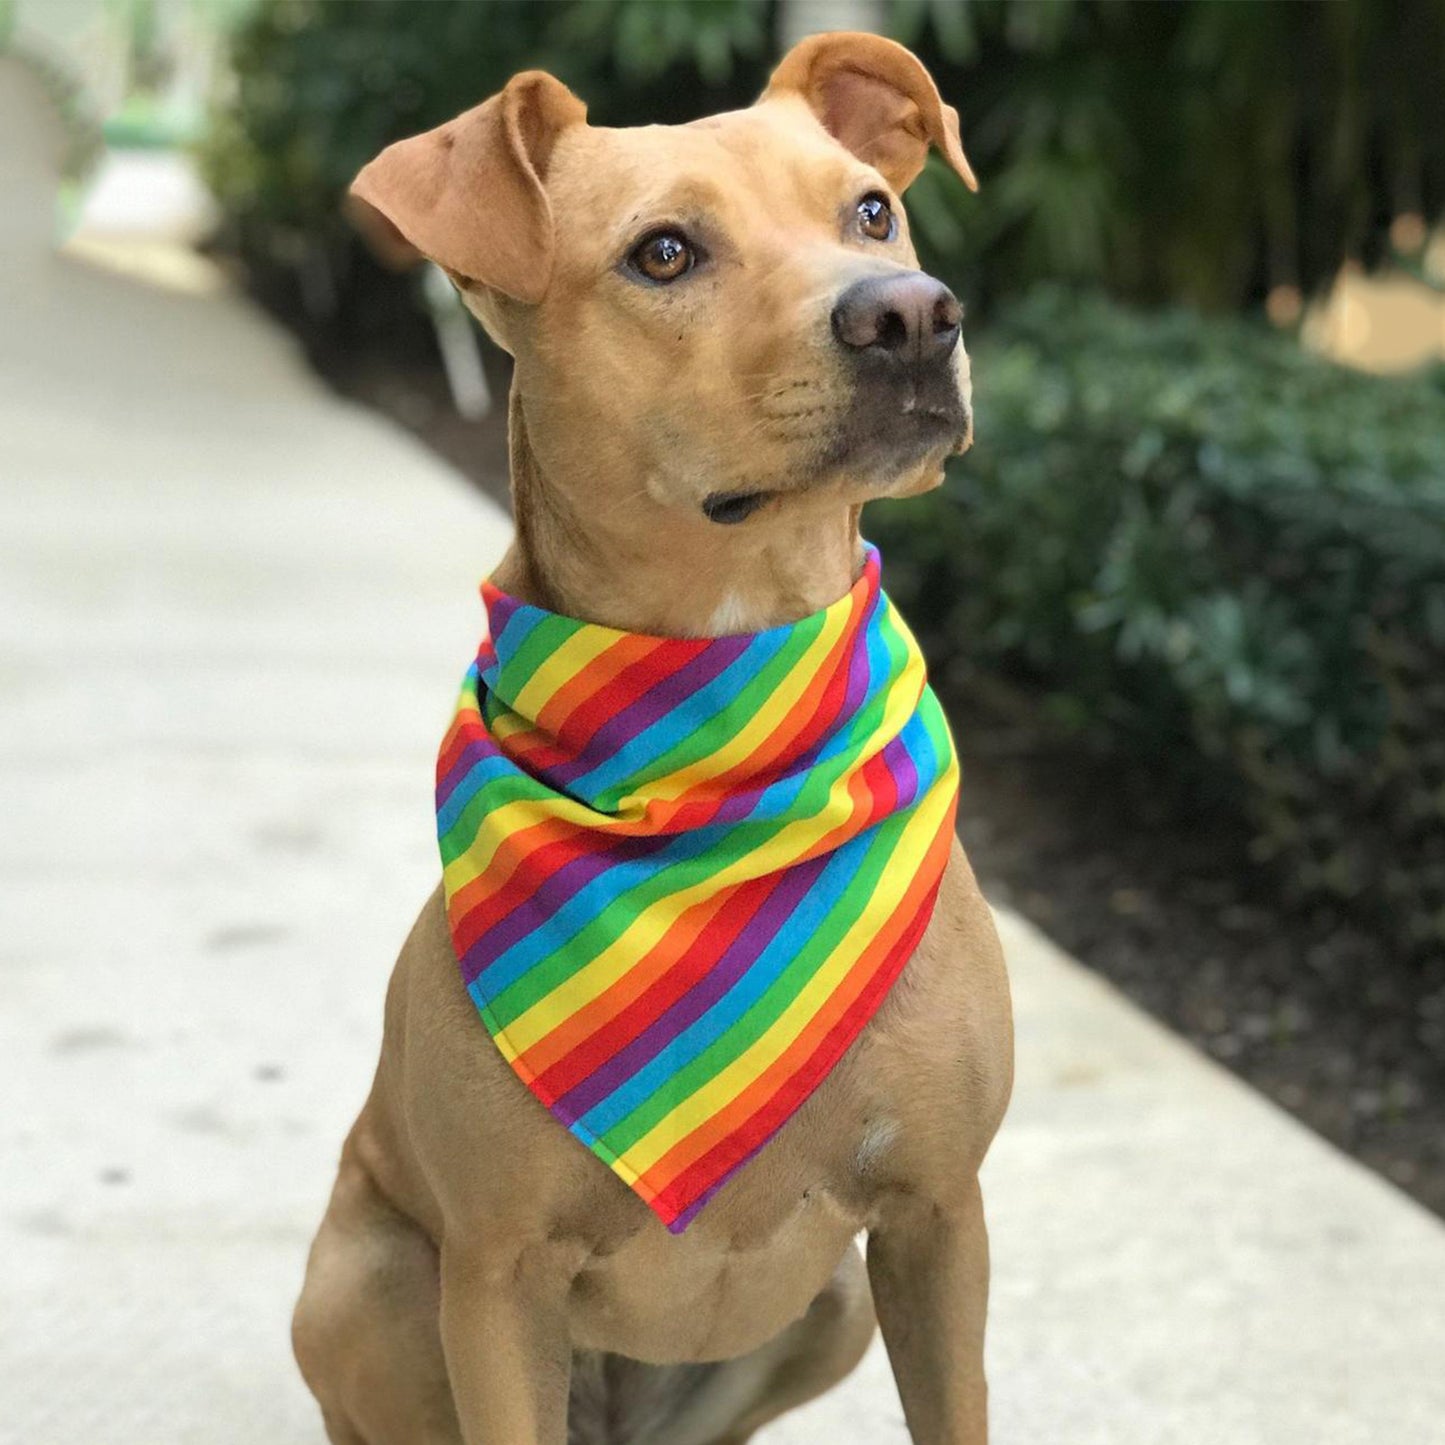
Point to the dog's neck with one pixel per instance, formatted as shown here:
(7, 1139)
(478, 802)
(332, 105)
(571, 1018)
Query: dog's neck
(697, 579)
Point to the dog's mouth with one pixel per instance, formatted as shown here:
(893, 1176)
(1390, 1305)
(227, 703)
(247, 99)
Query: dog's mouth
(886, 435)
(883, 435)
(913, 415)
(727, 509)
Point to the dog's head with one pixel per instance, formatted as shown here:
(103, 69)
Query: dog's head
(709, 318)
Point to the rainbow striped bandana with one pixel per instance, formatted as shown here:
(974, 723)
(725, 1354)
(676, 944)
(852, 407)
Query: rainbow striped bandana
(681, 875)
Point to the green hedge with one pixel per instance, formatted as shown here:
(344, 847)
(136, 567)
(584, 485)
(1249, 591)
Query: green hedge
(1208, 547)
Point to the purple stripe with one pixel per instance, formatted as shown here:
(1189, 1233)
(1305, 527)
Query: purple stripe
(500, 611)
(650, 708)
(899, 761)
(736, 806)
(860, 679)
(735, 961)
(690, 1213)
(474, 751)
(740, 804)
(537, 907)
(860, 673)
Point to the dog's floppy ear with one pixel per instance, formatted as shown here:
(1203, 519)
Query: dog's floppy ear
(874, 97)
(469, 195)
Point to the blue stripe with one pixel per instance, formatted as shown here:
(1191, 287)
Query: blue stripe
(628, 765)
(608, 891)
(611, 888)
(486, 769)
(519, 627)
(785, 945)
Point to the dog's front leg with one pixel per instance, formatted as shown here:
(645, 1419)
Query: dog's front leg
(928, 1265)
(504, 1332)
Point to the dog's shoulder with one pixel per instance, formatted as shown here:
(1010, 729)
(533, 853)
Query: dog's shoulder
(940, 1049)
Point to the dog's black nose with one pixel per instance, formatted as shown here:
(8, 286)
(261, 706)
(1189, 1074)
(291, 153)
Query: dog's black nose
(908, 316)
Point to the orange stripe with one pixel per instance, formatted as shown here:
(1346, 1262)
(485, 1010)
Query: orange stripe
(541, 737)
(630, 649)
(737, 1113)
(695, 812)
(718, 1165)
(583, 684)
(519, 847)
(799, 716)
(474, 894)
(463, 722)
(642, 974)
(577, 1028)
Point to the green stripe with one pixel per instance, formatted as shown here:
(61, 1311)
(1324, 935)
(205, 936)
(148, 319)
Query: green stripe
(511, 787)
(853, 897)
(740, 840)
(516, 670)
(709, 736)
(935, 724)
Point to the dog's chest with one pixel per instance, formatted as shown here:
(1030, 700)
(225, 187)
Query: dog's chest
(707, 1295)
(759, 1252)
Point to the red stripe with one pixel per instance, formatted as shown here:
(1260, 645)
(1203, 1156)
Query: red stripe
(805, 722)
(581, 725)
(489, 897)
(680, 974)
(621, 659)
(466, 730)
(771, 1102)
(883, 785)
(736, 1147)
(596, 698)
(494, 892)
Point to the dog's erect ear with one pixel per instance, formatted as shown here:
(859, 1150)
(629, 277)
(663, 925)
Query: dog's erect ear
(874, 97)
(470, 196)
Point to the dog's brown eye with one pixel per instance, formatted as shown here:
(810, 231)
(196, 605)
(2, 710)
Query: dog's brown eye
(875, 217)
(663, 257)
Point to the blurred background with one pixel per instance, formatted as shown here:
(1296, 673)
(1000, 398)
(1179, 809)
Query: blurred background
(1185, 599)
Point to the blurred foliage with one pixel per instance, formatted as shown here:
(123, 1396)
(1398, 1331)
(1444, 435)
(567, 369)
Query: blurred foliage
(318, 87)
(1198, 153)
(1203, 544)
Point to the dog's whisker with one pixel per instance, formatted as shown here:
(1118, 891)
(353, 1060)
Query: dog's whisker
(784, 415)
(774, 392)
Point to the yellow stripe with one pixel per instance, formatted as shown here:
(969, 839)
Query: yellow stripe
(497, 826)
(510, 725)
(718, 1092)
(792, 842)
(901, 702)
(558, 668)
(748, 739)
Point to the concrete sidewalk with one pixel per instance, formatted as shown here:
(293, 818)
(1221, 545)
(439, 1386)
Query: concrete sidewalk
(233, 613)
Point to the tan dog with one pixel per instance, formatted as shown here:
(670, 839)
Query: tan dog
(723, 348)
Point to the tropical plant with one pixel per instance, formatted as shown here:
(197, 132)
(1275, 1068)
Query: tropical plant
(317, 87)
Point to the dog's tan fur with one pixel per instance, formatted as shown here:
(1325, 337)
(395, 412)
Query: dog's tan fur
(479, 1277)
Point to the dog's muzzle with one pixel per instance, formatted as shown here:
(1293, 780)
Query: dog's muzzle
(899, 333)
